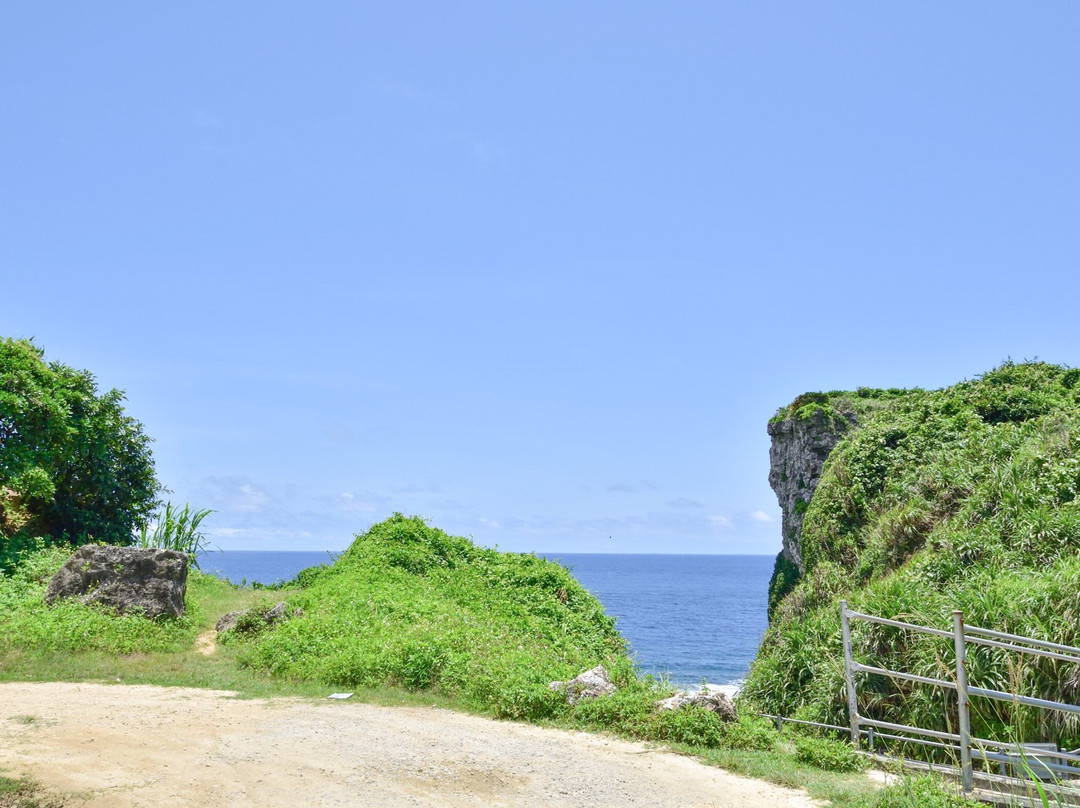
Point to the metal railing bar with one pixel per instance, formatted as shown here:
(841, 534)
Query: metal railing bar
(1036, 762)
(887, 622)
(948, 736)
(1028, 700)
(922, 741)
(1001, 635)
(807, 723)
(911, 677)
(1044, 762)
(1022, 650)
(1021, 749)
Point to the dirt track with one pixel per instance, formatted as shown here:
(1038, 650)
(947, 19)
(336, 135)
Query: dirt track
(127, 746)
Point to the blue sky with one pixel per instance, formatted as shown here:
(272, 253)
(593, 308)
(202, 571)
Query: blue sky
(539, 272)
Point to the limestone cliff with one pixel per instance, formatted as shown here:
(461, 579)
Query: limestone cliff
(802, 437)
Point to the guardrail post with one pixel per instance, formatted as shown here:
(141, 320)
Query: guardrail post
(849, 673)
(962, 707)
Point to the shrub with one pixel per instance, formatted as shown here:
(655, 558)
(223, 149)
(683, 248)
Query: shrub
(828, 754)
(692, 725)
(920, 791)
(750, 733)
(408, 604)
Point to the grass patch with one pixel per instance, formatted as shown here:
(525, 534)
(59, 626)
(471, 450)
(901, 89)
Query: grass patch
(24, 792)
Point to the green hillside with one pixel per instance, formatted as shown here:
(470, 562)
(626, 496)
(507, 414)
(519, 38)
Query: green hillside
(408, 604)
(961, 498)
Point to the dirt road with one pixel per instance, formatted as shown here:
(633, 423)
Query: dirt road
(132, 746)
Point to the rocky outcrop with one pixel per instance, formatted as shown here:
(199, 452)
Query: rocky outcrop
(588, 685)
(255, 620)
(800, 444)
(708, 698)
(129, 579)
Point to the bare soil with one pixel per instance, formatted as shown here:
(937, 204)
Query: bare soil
(131, 746)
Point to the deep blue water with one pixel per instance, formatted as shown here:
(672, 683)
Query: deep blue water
(691, 617)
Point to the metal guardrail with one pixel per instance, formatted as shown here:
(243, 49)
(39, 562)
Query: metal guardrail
(1050, 762)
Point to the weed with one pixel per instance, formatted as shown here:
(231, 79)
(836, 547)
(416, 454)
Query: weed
(827, 754)
(26, 793)
(176, 528)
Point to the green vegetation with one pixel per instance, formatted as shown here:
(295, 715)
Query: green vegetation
(785, 576)
(27, 625)
(176, 528)
(73, 465)
(408, 615)
(922, 791)
(25, 793)
(961, 498)
(409, 605)
(827, 754)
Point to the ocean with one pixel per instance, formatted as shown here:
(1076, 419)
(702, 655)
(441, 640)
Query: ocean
(688, 617)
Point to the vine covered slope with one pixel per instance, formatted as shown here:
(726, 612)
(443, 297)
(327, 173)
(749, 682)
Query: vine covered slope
(410, 605)
(961, 498)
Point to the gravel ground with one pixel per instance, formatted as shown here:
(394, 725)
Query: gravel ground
(131, 746)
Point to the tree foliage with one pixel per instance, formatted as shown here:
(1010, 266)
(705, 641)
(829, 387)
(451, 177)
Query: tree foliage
(73, 465)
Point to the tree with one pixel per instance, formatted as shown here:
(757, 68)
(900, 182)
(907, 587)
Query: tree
(73, 465)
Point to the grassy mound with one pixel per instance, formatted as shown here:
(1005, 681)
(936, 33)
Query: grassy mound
(408, 604)
(961, 498)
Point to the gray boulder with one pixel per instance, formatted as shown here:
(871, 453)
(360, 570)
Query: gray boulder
(588, 685)
(129, 579)
(255, 620)
(708, 698)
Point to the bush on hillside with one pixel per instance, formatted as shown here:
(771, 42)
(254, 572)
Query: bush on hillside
(410, 605)
(961, 498)
(828, 754)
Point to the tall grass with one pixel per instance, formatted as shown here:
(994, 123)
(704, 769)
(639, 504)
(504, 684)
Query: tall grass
(176, 528)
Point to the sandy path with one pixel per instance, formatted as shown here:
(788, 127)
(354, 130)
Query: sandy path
(127, 746)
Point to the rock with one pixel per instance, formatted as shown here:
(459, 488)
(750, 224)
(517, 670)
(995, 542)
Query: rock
(254, 620)
(588, 685)
(797, 454)
(227, 622)
(129, 579)
(14, 515)
(710, 697)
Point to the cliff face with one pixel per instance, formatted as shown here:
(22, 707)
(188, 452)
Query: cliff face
(801, 442)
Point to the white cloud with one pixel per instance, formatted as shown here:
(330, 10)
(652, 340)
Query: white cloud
(235, 494)
(489, 523)
(761, 516)
(719, 521)
(684, 502)
(350, 502)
